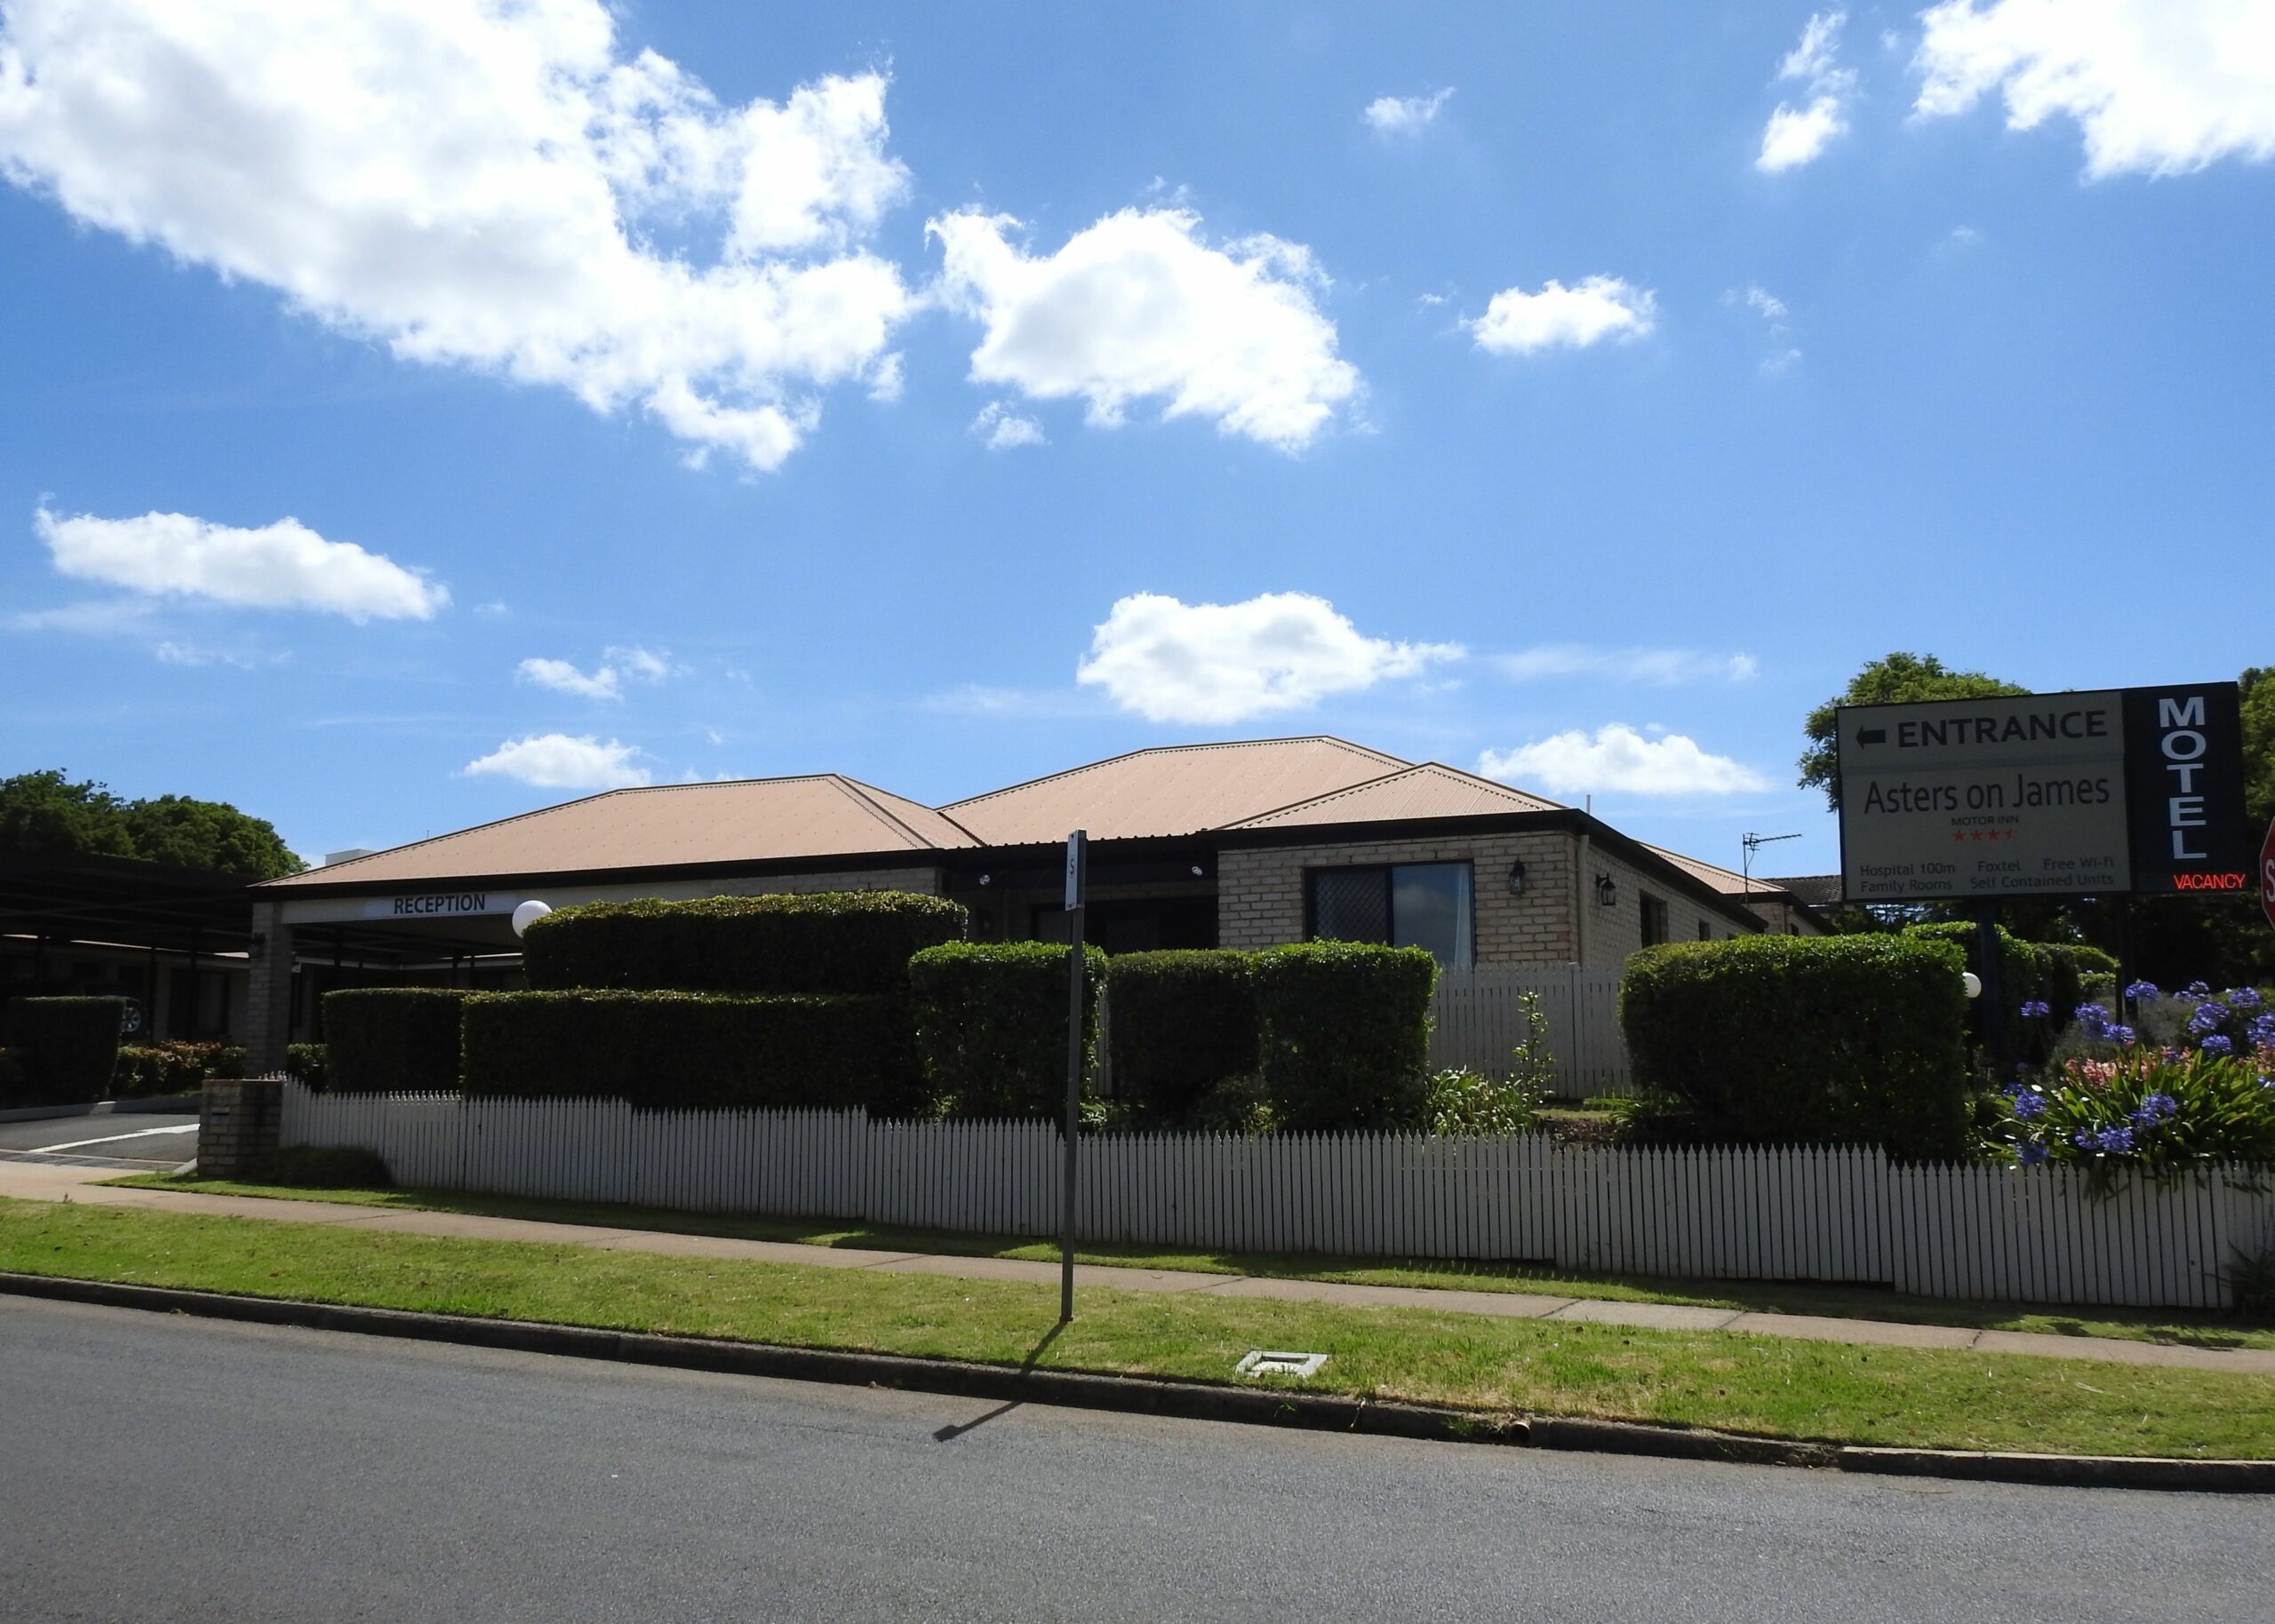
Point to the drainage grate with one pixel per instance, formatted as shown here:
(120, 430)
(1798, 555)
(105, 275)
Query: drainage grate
(1259, 1362)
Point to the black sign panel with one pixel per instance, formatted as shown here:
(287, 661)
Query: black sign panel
(2183, 789)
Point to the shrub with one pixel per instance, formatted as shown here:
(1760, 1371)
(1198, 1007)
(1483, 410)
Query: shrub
(691, 1051)
(306, 1062)
(1179, 1022)
(2030, 974)
(392, 1039)
(991, 1025)
(1840, 1040)
(67, 1046)
(309, 1166)
(2156, 1112)
(1468, 1105)
(1346, 1033)
(170, 1066)
(825, 942)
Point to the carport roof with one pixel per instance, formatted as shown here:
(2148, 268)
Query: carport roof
(670, 825)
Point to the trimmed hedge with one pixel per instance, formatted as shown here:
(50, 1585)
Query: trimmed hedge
(1832, 1039)
(172, 1065)
(392, 1039)
(1345, 1033)
(65, 1049)
(305, 1063)
(823, 942)
(1181, 1021)
(2055, 973)
(690, 1051)
(991, 1025)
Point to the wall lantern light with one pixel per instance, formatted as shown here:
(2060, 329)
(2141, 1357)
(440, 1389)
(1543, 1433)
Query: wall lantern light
(1517, 879)
(988, 879)
(528, 914)
(1197, 873)
(1607, 891)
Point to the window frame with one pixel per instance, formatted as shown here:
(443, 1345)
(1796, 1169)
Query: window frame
(1311, 898)
(1653, 909)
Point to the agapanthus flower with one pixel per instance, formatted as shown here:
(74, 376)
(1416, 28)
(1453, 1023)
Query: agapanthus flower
(2114, 1140)
(2245, 998)
(2036, 1009)
(2083, 1139)
(2033, 1154)
(2092, 1016)
(2157, 1108)
(2208, 1016)
(2197, 989)
(2120, 1033)
(2216, 1044)
(2263, 1031)
(2143, 992)
(2030, 1107)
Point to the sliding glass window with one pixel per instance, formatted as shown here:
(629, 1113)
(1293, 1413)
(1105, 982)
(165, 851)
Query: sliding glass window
(1404, 904)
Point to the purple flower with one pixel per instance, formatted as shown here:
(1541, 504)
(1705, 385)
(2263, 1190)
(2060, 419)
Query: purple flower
(2263, 1031)
(2092, 1017)
(2114, 1140)
(2030, 1107)
(2156, 1109)
(2196, 989)
(2036, 1009)
(2244, 998)
(2083, 1139)
(2033, 1154)
(2208, 1016)
(2216, 1044)
(2117, 1032)
(2143, 991)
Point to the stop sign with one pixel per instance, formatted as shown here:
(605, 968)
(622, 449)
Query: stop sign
(2267, 875)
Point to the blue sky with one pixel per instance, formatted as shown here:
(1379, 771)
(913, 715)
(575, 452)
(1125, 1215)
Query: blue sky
(946, 395)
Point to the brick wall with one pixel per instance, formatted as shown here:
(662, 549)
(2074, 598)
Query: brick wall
(1614, 932)
(237, 1124)
(1260, 890)
(267, 1027)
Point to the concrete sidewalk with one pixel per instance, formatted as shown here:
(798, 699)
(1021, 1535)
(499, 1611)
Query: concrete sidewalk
(32, 1180)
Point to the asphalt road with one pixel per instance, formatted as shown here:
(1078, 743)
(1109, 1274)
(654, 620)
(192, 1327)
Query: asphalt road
(169, 1468)
(161, 1139)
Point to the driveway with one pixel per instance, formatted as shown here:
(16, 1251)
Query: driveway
(136, 1139)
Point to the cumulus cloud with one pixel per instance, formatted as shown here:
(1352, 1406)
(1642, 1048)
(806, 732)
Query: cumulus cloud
(1516, 323)
(1640, 668)
(284, 565)
(482, 187)
(1003, 429)
(556, 761)
(604, 681)
(1763, 303)
(1796, 134)
(1141, 307)
(1170, 661)
(1618, 759)
(2161, 87)
(1397, 115)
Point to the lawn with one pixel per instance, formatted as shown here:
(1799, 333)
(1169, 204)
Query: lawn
(1766, 1386)
(1835, 1301)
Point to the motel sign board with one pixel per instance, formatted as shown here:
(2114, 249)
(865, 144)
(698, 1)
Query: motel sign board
(2126, 790)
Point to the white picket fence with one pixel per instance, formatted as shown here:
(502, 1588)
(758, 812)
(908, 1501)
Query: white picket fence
(1479, 1018)
(1739, 1213)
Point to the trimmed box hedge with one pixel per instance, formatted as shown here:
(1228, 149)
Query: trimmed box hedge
(1179, 1022)
(690, 1051)
(392, 1039)
(1345, 1033)
(991, 1025)
(820, 942)
(1833, 1039)
(63, 1049)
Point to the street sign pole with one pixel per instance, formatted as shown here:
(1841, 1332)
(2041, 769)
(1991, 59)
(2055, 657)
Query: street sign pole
(1077, 889)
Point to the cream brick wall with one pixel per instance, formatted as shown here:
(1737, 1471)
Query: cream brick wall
(1260, 890)
(1614, 932)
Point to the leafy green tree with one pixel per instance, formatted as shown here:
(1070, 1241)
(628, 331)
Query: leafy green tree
(45, 813)
(2258, 685)
(1895, 679)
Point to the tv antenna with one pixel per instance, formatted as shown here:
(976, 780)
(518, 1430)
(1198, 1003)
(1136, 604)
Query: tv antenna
(1753, 843)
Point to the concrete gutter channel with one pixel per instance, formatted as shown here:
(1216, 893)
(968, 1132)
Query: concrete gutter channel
(1274, 1406)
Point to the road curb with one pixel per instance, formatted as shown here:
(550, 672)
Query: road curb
(1275, 1406)
(172, 1103)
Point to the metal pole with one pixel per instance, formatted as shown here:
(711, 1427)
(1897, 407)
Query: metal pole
(1994, 1007)
(1076, 896)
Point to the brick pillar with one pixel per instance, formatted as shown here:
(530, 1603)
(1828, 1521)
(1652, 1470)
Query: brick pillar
(268, 996)
(238, 1119)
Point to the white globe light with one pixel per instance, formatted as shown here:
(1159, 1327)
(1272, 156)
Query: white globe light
(1967, 978)
(531, 912)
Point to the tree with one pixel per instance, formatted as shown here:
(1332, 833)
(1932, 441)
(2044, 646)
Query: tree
(1896, 679)
(45, 813)
(2258, 685)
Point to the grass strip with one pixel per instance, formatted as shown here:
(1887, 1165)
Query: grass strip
(1770, 1387)
(2167, 1325)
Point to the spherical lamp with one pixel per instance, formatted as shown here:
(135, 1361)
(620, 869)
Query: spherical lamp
(528, 914)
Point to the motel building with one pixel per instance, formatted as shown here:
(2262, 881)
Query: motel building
(1247, 844)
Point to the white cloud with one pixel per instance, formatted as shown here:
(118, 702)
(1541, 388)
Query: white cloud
(482, 186)
(96, 617)
(1003, 429)
(1517, 323)
(2160, 87)
(284, 565)
(1763, 303)
(556, 761)
(191, 655)
(1642, 667)
(1618, 759)
(605, 681)
(1170, 661)
(1397, 115)
(1795, 135)
(1140, 305)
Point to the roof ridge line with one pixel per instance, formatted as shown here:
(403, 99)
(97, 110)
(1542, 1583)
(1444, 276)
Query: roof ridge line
(1144, 750)
(1257, 817)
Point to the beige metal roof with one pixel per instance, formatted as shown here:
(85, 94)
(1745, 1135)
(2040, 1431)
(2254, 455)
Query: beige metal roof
(1722, 880)
(1431, 790)
(1179, 789)
(826, 815)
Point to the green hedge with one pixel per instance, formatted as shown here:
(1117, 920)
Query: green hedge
(1345, 1033)
(2054, 974)
(1180, 1023)
(65, 1048)
(306, 1062)
(690, 1051)
(991, 1025)
(392, 1039)
(172, 1065)
(1833, 1040)
(826, 942)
